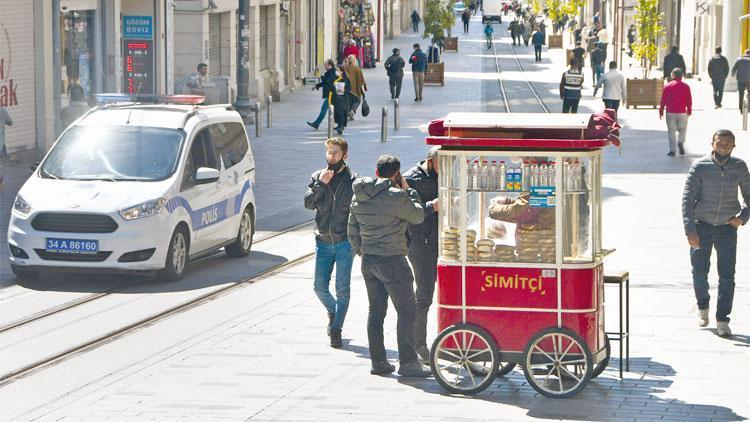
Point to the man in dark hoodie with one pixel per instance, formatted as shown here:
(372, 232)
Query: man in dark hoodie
(381, 210)
(672, 61)
(327, 83)
(330, 195)
(718, 70)
(423, 245)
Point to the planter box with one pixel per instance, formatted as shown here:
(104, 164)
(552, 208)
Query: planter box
(554, 41)
(451, 44)
(644, 92)
(435, 74)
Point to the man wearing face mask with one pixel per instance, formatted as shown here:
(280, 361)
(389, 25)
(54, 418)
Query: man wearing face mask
(381, 210)
(423, 245)
(330, 194)
(711, 214)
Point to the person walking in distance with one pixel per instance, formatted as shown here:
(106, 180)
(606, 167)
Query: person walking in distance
(358, 84)
(711, 215)
(741, 71)
(570, 87)
(488, 31)
(579, 52)
(614, 87)
(415, 19)
(381, 210)
(678, 102)
(631, 39)
(718, 70)
(394, 68)
(537, 39)
(341, 99)
(418, 61)
(465, 18)
(329, 194)
(5, 120)
(597, 58)
(423, 245)
(326, 82)
(672, 61)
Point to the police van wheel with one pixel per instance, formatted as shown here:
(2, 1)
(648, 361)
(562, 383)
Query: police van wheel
(241, 246)
(23, 273)
(179, 248)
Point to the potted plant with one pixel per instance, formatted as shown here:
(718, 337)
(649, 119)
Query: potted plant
(555, 11)
(648, 22)
(438, 18)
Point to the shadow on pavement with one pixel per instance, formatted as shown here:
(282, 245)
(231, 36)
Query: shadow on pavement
(215, 270)
(632, 398)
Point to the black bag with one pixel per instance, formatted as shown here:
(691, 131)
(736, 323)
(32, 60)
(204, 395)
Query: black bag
(365, 107)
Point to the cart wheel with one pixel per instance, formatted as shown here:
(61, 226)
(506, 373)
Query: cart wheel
(504, 368)
(601, 366)
(558, 363)
(464, 359)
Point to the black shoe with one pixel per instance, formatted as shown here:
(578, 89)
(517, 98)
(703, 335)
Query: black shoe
(416, 99)
(330, 324)
(681, 148)
(382, 368)
(312, 125)
(340, 131)
(670, 153)
(413, 370)
(336, 339)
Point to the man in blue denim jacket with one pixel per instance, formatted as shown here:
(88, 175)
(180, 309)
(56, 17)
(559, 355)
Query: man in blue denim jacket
(711, 214)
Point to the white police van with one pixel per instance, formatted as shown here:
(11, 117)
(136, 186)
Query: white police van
(138, 184)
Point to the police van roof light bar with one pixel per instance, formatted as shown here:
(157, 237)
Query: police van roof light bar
(178, 99)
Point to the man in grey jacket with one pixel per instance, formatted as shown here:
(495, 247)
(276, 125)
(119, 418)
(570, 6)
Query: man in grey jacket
(741, 71)
(381, 211)
(711, 214)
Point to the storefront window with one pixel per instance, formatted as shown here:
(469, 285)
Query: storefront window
(77, 42)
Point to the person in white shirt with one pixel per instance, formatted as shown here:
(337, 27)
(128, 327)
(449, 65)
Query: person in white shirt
(603, 37)
(614, 87)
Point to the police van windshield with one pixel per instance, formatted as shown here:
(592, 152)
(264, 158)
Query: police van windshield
(114, 153)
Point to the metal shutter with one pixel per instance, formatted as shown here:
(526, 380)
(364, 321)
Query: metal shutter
(263, 53)
(18, 72)
(214, 45)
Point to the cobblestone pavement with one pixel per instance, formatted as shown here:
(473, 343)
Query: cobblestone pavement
(261, 353)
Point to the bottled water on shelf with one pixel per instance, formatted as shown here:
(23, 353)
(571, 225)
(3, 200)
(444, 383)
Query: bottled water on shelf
(493, 176)
(527, 175)
(543, 176)
(551, 174)
(484, 176)
(502, 176)
(471, 175)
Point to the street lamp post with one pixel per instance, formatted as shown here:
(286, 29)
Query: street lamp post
(242, 104)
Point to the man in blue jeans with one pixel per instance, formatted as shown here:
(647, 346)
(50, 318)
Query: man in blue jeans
(330, 194)
(711, 214)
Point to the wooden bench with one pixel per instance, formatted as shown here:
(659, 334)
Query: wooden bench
(622, 280)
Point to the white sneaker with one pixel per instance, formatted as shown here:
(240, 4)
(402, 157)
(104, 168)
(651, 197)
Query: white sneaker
(722, 329)
(703, 317)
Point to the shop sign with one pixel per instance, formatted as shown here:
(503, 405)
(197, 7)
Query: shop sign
(137, 27)
(8, 87)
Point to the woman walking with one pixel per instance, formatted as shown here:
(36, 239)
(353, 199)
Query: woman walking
(340, 99)
(357, 82)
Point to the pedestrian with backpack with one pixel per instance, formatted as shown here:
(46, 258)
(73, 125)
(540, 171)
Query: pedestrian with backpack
(394, 68)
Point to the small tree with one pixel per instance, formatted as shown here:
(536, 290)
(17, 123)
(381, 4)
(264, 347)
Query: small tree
(648, 22)
(536, 7)
(438, 18)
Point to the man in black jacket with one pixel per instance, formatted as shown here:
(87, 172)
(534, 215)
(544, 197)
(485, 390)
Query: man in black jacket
(423, 245)
(330, 195)
(672, 61)
(718, 70)
(326, 82)
(394, 67)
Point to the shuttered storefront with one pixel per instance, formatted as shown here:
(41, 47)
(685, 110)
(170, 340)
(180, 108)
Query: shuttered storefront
(214, 45)
(17, 73)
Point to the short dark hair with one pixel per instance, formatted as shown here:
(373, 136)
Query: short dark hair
(416, 46)
(677, 72)
(723, 133)
(675, 48)
(340, 142)
(76, 92)
(200, 65)
(613, 64)
(387, 166)
(718, 50)
(574, 61)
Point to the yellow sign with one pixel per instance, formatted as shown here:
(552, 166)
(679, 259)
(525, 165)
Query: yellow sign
(516, 282)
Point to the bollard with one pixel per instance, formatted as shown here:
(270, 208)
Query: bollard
(257, 120)
(744, 111)
(384, 125)
(396, 117)
(330, 120)
(269, 99)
